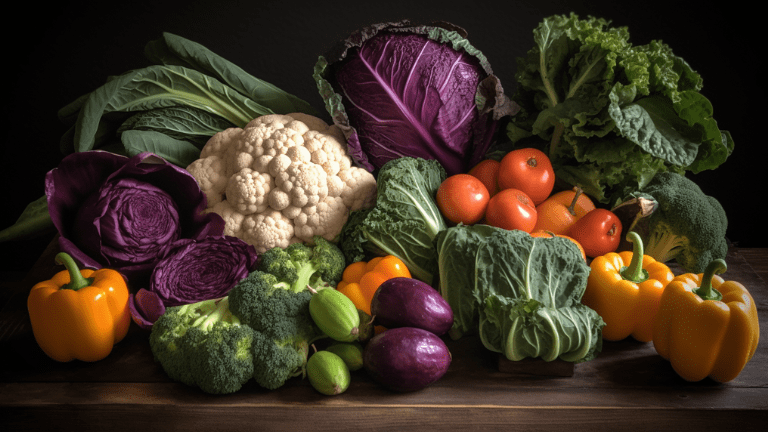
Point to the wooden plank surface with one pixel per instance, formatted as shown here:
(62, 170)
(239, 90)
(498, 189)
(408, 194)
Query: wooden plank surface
(628, 385)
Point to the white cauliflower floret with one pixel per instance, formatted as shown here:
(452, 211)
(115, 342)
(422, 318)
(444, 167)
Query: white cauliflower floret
(360, 190)
(305, 184)
(233, 219)
(210, 173)
(267, 230)
(248, 191)
(325, 219)
(282, 179)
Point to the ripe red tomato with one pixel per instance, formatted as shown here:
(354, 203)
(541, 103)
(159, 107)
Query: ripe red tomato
(598, 232)
(528, 170)
(462, 198)
(511, 209)
(488, 173)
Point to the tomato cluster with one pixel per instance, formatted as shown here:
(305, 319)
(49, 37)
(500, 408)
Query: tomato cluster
(516, 193)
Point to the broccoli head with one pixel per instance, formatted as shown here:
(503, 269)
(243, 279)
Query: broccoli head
(320, 264)
(204, 345)
(271, 306)
(688, 226)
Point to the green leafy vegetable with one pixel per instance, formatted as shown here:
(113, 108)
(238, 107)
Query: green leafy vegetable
(521, 294)
(405, 219)
(611, 114)
(188, 94)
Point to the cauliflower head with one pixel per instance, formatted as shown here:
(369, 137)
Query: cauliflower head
(282, 179)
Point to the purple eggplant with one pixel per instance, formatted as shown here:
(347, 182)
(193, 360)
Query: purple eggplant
(407, 302)
(406, 359)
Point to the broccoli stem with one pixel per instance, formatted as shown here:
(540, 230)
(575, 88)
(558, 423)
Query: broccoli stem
(76, 279)
(705, 290)
(213, 311)
(635, 271)
(664, 246)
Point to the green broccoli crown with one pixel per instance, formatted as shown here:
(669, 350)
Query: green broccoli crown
(277, 360)
(688, 225)
(203, 344)
(269, 306)
(320, 264)
(278, 262)
(220, 359)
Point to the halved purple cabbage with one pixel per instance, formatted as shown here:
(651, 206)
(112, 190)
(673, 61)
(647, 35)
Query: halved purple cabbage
(197, 270)
(397, 89)
(124, 213)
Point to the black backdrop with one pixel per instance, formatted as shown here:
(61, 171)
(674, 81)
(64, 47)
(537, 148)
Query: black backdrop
(62, 51)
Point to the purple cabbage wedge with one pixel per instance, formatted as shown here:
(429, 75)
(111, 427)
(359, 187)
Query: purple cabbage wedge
(124, 213)
(397, 89)
(197, 270)
(146, 307)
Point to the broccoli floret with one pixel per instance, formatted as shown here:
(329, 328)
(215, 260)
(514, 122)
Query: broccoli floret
(320, 264)
(270, 306)
(688, 226)
(204, 345)
(276, 361)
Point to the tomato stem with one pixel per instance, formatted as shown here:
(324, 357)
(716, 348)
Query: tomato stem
(612, 231)
(532, 162)
(572, 207)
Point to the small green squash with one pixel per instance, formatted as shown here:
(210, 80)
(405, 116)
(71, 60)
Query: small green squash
(328, 373)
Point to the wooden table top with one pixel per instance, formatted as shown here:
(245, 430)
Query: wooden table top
(627, 386)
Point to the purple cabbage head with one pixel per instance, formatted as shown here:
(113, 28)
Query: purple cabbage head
(420, 91)
(125, 213)
(197, 270)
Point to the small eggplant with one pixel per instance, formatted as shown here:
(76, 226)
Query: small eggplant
(407, 302)
(406, 359)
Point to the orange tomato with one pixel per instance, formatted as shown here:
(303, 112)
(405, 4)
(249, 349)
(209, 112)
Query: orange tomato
(528, 170)
(487, 172)
(561, 210)
(550, 234)
(511, 209)
(462, 198)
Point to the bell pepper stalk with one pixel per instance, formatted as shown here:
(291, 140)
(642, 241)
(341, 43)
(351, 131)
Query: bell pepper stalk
(706, 326)
(79, 314)
(625, 289)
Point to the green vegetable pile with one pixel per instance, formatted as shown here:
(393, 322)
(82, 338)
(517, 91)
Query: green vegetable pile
(262, 330)
(610, 114)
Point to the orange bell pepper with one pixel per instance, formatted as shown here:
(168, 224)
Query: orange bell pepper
(625, 289)
(79, 314)
(360, 280)
(706, 327)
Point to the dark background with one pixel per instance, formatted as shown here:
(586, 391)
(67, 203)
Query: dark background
(64, 50)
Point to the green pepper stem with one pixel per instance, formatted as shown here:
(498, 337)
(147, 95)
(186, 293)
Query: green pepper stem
(76, 279)
(635, 271)
(706, 291)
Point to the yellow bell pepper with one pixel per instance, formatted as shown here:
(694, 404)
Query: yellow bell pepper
(706, 327)
(79, 314)
(625, 289)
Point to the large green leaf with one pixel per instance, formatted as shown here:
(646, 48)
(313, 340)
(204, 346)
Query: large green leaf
(178, 152)
(176, 50)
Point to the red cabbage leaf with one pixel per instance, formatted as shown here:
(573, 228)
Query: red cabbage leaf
(398, 90)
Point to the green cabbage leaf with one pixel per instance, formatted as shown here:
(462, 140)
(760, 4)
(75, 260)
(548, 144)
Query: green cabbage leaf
(521, 294)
